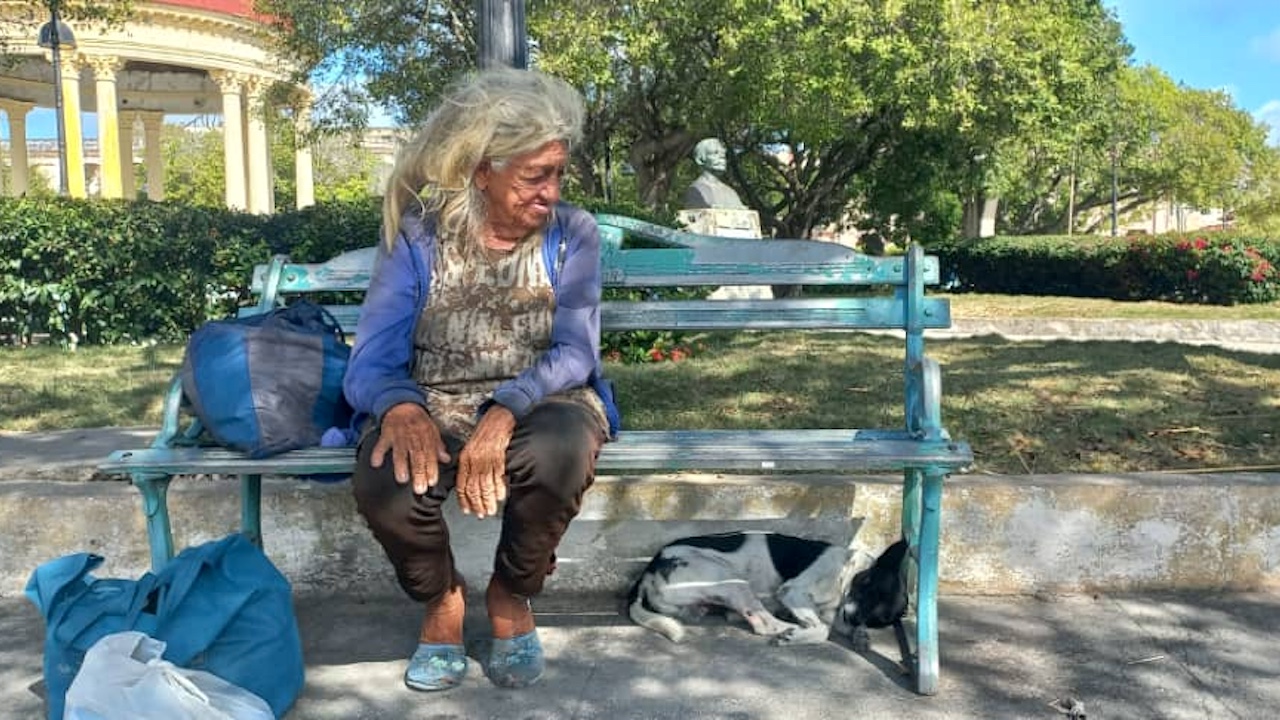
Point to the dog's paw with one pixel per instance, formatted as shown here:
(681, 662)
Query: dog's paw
(800, 636)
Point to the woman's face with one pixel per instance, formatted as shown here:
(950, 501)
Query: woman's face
(523, 192)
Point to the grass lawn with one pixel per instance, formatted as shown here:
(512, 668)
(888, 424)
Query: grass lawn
(1024, 406)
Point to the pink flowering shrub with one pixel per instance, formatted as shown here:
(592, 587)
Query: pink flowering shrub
(1204, 268)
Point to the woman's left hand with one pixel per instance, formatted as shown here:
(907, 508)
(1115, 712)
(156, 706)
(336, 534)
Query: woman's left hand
(482, 464)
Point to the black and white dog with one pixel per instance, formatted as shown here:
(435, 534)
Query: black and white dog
(757, 574)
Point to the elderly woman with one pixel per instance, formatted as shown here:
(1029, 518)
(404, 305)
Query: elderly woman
(476, 364)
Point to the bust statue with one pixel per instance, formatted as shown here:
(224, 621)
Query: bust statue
(709, 191)
(713, 208)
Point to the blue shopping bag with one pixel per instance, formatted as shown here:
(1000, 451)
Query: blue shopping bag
(221, 607)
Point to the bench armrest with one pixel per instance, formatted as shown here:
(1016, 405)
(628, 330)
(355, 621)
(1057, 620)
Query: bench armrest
(172, 433)
(924, 400)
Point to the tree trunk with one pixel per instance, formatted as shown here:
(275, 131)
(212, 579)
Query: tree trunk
(655, 161)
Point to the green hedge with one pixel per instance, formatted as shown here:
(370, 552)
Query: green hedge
(106, 272)
(114, 271)
(1210, 267)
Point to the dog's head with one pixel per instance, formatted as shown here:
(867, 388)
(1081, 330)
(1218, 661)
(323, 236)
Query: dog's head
(877, 596)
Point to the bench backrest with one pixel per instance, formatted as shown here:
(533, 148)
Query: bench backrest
(679, 259)
(683, 259)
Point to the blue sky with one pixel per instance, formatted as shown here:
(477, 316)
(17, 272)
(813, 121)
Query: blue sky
(1233, 45)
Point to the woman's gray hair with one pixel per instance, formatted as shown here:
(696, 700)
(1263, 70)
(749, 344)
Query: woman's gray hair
(492, 115)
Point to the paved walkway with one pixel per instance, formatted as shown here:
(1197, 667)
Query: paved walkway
(1124, 658)
(1262, 336)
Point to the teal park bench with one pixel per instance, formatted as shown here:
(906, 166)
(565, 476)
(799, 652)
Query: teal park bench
(922, 449)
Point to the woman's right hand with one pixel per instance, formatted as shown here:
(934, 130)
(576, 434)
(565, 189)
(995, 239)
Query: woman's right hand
(415, 444)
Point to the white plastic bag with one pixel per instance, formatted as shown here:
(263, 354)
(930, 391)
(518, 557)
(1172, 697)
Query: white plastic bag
(123, 678)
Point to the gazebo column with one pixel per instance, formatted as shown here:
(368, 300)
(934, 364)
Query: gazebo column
(17, 114)
(232, 85)
(261, 200)
(70, 70)
(151, 123)
(304, 173)
(104, 76)
(128, 188)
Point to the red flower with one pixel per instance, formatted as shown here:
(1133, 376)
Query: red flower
(1261, 271)
(655, 355)
(678, 354)
(1192, 275)
(1183, 245)
(1201, 243)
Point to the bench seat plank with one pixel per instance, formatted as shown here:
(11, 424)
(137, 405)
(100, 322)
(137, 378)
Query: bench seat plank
(635, 450)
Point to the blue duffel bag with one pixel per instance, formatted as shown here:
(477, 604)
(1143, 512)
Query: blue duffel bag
(264, 384)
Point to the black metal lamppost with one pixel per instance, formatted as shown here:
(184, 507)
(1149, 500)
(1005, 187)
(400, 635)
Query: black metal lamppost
(501, 36)
(55, 35)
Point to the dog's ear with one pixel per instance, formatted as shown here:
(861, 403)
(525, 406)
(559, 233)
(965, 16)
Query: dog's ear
(895, 554)
(857, 561)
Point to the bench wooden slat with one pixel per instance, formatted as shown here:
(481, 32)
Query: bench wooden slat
(804, 313)
(655, 450)
(872, 313)
(756, 262)
(349, 271)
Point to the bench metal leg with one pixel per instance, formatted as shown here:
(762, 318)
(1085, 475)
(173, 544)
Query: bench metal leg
(155, 489)
(911, 507)
(927, 585)
(911, 526)
(251, 508)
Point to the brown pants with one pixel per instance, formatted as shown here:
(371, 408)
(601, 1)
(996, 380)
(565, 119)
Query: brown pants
(551, 462)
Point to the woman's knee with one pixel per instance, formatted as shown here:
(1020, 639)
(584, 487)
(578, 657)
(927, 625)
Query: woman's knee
(396, 515)
(555, 449)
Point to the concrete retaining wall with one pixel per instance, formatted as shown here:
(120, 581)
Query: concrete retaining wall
(1001, 534)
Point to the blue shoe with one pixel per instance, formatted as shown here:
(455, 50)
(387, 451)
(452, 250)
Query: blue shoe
(518, 662)
(436, 667)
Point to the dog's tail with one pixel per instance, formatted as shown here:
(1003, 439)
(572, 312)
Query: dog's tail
(643, 615)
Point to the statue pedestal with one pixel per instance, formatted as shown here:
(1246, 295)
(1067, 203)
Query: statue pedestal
(727, 222)
(724, 222)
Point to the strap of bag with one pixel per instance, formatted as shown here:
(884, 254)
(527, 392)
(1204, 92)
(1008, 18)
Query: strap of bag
(104, 598)
(55, 578)
(305, 316)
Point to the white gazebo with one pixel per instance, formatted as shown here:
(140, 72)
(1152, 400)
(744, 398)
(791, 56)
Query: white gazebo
(171, 57)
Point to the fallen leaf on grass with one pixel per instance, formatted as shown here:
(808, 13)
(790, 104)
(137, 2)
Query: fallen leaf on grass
(1194, 452)
(1178, 431)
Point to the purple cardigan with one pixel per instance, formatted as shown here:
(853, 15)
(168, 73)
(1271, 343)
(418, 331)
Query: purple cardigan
(379, 374)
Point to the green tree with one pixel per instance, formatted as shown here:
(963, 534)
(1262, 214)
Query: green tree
(822, 102)
(1162, 140)
(827, 103)
(395, 53)
(1257, 205)
(195, 166)
(194, 169)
